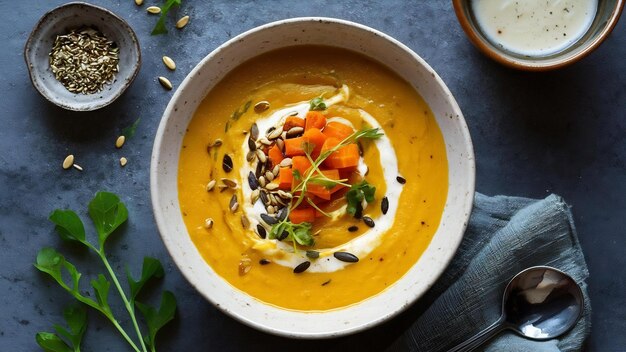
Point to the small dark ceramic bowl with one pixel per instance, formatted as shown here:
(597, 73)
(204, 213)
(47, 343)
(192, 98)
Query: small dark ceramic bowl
(607, 15)
(60, 21)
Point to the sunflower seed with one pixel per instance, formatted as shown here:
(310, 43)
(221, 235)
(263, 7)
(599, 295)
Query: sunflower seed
(346, 257)
(139, 2)
(275, 133)
(261, 231)
(272, 199)
(77, 167)
(353, 228)
(384, 205)
(262, 182)
(294, 131)
(250, 156)
(154, 10)
(276, 170)
(401, 180)
(259, 170)
(254, 196)
(282, 214)
(264, 198)
(270, 130)
(254, 131)
(268, 219)
(208, 223)
(280, 144)
(313, 254)
(262, 157)
(222, 188)
(119, 142)
(169, 63)
(123, 161)
(301, 267)
(68, 162)
(228, 182)
(210, 185)
(280, 201)
(284, 135)
(251, 144)
(233, 205)
(182, 22)
(271, 186)
(216, 143)
(284, 194)
(283, 235)
(245, 222)
(269, 176)
(165, 83)
(227, 163)
(265, 141)
(252, 181)
(285, 162)
(261, 106)
(271, 210)
(368, 221)
(264, 261)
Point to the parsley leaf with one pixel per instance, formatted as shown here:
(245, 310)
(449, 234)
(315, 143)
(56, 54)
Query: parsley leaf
(129, 131)
(160, 28)
(76, 318)
(156, 319)
(297, 233)
(108, 213)
(356, 194)
(317, 104)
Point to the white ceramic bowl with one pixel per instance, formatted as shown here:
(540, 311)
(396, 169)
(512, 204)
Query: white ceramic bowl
(338, 33)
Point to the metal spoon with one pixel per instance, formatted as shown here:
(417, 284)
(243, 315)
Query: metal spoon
(539, 303)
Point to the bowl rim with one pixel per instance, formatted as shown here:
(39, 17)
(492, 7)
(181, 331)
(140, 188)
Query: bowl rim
(31, 67)
(506, 60)
(156, 196)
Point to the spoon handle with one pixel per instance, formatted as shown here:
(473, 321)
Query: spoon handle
(480, 338)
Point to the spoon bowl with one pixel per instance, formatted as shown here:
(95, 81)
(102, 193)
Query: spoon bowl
(539, 303)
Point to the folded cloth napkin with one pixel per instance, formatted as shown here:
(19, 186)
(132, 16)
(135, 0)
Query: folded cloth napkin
(505, 235)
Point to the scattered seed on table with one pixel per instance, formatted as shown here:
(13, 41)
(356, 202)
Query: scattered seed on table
(139, 2)
(182, 22)
(123, 161)
(227, 163)
(154, 10)
(169, 63)
(368, 221)
(401, 180)
(384, 205)
(346, 257)
(261, 231)
(77, 167)
(119, 142)
(165, 83)
(301, 267)
(68, 161)
(353, 228)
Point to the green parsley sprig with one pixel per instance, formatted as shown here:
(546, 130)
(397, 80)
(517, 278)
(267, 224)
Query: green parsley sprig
(355, 196)
(107, 213)
(160, 27)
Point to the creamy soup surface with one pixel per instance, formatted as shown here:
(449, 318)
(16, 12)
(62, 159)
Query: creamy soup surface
(406, 163)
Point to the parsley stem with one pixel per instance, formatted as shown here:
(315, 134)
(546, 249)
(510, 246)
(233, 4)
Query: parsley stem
(129, 307)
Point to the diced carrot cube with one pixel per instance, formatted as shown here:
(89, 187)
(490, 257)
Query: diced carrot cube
(285, 178)
(301, 164)
(314, 119)
(276, 156)
(316, 139)
(301, 215)
(346, 156)
(337, 130)
(294, 146)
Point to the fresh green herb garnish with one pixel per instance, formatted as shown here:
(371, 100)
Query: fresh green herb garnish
(317, 104)
(237, 114)
(107, 213)
(356, 194)
(76, 318)
(301, 233)
(129, 131)
(160, 28)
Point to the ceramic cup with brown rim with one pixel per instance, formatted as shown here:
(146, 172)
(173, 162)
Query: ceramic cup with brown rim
(607, 15)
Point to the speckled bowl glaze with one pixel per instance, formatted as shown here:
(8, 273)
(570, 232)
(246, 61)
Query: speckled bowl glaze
(59, 21)
(608, 14)
(317, 31)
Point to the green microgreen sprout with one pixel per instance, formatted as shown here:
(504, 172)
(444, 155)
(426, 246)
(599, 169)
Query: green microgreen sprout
(317, 104)
(107, 213)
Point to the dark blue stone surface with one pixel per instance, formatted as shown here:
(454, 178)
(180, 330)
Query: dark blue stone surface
(560, 132)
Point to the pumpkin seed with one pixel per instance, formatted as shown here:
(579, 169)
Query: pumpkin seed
(284, 135)
(182, 22)
(169, 63)
(401, 180)
(227, 163)
(230, 183)
(262, 157)
(272, 199)
(265, 141)
(346, 257)
(68, 162)
(261, 106)
(254, 196)
(254, 131)
(301, 267)
(286, 162)
(275, 133)
(284, 194)
(154, 10)
(251, 144)
(276, 170)
(271, 186)
(123, 161)
(139, 2)
(245, 222)
(208, 223)
(222, 188)
(268, 219)
(353, 228)
(233, 205)
(368, 221)
(261, 231)
(165, 83)
(271, 210)
(280, 144)
(250, 156)
(77, 167)
(252, 181)
(119, 142)
(210, 185)
(313, 254)
(294, 131)
(269, 176)
(262, 181)
(384, 205)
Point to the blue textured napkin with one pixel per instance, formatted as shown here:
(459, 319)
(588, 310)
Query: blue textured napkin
(505, 235)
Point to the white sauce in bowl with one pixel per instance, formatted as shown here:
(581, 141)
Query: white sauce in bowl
(534, 27)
